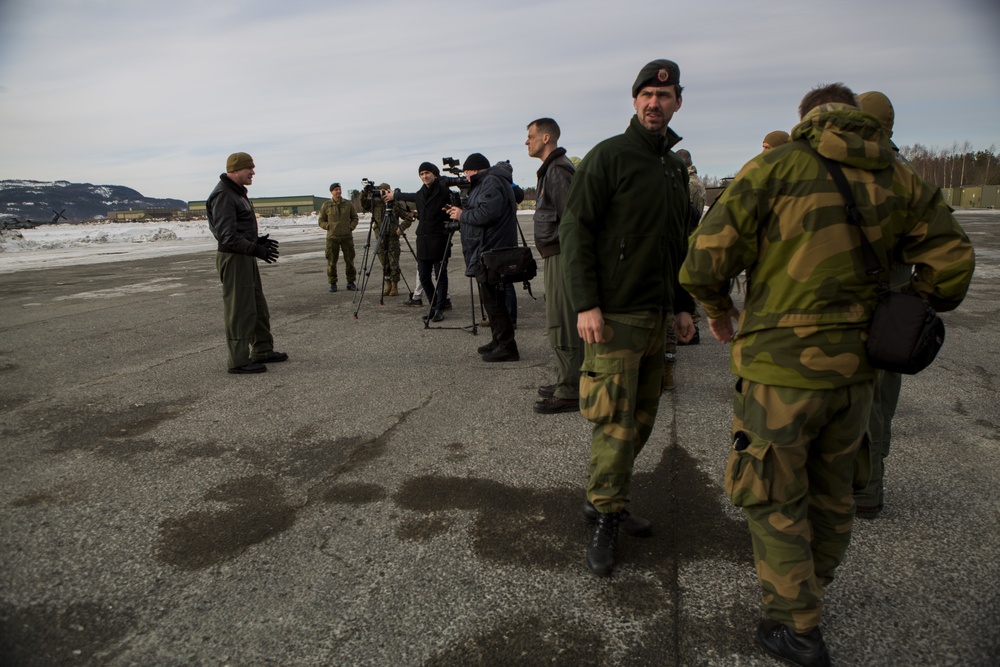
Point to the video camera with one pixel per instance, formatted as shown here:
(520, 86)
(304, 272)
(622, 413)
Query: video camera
(370, 188)
(456, 180)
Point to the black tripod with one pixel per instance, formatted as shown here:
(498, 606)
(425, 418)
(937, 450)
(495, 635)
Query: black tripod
(440, 298)
(387, 226)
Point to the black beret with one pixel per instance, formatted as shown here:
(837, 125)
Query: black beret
(334, 185)
(657, 73)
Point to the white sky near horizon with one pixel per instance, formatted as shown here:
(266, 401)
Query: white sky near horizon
(154, 96)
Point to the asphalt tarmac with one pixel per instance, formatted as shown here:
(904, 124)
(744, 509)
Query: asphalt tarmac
(387, 498)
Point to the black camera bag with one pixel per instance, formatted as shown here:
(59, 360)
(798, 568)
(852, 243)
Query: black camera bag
(905, 333)
(509, 265)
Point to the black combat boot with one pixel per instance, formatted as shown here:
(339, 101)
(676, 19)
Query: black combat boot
(489, 347)
(808, 650)
(503, 353)
(631, 524)
(601, 550)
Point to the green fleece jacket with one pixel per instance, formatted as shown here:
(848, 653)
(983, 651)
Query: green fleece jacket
(624, 231)
(809, 303)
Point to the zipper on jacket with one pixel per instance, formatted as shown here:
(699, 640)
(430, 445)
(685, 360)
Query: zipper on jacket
(618, 264)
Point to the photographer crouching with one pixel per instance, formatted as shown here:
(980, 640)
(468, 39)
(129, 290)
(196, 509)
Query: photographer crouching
(488, 221)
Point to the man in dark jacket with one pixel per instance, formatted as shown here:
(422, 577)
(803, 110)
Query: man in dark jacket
(624, 234)
(432, 236)
(554, 178)
(234, 225)
(489, 220)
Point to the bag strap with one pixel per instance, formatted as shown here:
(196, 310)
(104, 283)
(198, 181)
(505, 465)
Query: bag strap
(873, 265)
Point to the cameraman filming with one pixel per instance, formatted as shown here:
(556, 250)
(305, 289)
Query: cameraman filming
(433, 245)
(489, 221)
(388, 249)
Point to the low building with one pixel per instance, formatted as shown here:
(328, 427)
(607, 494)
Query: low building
(269, 206)
(143, 214)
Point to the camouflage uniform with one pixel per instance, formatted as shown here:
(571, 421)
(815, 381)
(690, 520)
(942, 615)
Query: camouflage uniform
(625, 228)
(801, 405)
(388, 250)
(339, 219)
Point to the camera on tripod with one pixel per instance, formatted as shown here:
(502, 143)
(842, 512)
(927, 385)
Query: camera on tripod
(456, 180)
(370, 189)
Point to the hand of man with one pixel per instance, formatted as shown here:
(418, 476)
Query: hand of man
(387, 196)
(268, 252)
(722, 327)
(590, 325)
(684, 327)
(454, 212)
(262, 239)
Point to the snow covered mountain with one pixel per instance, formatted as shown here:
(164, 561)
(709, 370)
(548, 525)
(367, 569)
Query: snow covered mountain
(38, 201)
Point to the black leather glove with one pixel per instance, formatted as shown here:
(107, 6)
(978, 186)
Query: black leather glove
(267, 252)
(261, 240)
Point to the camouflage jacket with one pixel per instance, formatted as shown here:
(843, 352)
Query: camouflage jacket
(338, 218)
(698, 194)
(809, 302)
(398, 214)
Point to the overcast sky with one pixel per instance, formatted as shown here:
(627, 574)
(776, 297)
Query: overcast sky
(155, 95)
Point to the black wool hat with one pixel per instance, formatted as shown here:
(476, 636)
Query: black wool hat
(476, 161)
(429, 166)
(657, 73)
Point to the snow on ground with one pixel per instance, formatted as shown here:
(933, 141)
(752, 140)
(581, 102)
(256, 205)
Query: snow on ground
(92, 243)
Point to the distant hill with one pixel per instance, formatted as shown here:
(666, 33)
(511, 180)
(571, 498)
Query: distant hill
(37, 200)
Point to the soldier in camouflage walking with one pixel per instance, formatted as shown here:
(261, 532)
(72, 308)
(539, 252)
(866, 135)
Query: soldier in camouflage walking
(624, 234)
(805, 384)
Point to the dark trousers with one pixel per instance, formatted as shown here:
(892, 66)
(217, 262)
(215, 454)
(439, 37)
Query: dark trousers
(494, 299)
(436, 293)
(244, 309)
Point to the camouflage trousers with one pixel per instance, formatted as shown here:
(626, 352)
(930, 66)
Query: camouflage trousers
(620, 384)
(791, 469)
(388, 251)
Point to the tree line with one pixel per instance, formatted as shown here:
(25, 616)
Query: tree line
(955, 167)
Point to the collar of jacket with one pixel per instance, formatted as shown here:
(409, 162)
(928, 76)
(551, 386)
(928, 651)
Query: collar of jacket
(846, 134)
(657, 142)
(553, 156)
(228, 182)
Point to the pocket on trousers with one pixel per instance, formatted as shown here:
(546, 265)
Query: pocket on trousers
(601, 389)
(748, 472)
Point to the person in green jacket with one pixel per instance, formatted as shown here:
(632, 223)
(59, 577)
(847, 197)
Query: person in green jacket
(622, 238)
(805, 384)
(339, 219)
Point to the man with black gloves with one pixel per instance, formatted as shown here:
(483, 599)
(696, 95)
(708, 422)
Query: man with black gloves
(489, 221)
(624, 236)
(234, 225)
(432, 235)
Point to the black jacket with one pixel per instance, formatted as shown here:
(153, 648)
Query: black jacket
(489, 219)
(554, 178)
(231, 218)
(432, 237)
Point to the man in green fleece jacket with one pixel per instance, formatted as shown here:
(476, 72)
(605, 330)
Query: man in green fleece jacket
(622, 238)
(805, 384)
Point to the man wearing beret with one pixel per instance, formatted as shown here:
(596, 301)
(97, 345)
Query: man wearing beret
(234, 225)
(432, 236)
(623, 237)
(339, 219)
(488, 221)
